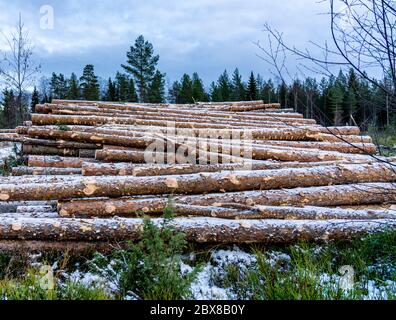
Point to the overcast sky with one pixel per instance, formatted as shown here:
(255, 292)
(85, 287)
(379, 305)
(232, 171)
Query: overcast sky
(206, 36)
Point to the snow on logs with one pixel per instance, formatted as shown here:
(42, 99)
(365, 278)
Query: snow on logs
(228, 181)
(87, 179)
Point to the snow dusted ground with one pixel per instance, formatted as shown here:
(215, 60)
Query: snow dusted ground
(208, 284)
(6, 150)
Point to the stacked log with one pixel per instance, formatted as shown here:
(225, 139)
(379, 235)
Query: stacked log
(232, 172)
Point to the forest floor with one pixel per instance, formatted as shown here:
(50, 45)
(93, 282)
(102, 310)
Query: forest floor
(362, 269)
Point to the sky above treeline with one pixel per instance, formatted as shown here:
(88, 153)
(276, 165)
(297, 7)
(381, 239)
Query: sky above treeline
(204, 36)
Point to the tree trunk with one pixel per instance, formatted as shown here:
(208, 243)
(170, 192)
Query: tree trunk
(135, 207)
(43, 171)
(82, 187)
(200, 230)
(338, 195)
(57, 162)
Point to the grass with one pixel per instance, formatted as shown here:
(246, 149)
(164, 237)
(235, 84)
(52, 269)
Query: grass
(385, 139)
(313, 273)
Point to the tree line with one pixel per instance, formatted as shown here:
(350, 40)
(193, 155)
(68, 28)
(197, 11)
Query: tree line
(346, 99)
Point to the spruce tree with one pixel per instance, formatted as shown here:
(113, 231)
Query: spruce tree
(111, 91)
(35, 100)
(89, 85)
(73, 92)
(224, 86)
(157, 88)
(132, 96)
(251, 90)
(54, 86)
(186, 93)
(122, 87)
(238, 88)
(141, 64)
(215, 95)
(198, 91)
(9, 110)
(174, 92)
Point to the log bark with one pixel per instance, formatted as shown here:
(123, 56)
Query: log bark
(57, 162)
(43, 171)
(136, 207)
(60, 144)
(10, 137)
(142, 170)
(337, 195)
(11, 207)
(185, 118)
(28, 149)
(82, 187)
(44, 119)
(277, 114)
(200, 230)
(35, 209)
(154, 112)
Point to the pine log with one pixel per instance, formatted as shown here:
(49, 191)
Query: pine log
(10, 137)
(320, 213)
(45, 119)
(48, 108)
(142, 170)
(40, 171)
(11, 207)
(201, 230)
(59, 109)
(28, 149)
(338, 195)
(185, 118)
(57, 162)
(82, 187)
(61, 144)
(135, 208)
(35, 209)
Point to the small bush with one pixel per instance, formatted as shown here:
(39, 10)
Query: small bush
(150, 269)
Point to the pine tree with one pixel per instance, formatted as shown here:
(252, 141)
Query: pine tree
(35, 100)
(89, 84)
(73, 92)
(238, 88)
(198, 91)
(186, 92)
(141, 64)
(157, 88)
(251, 91)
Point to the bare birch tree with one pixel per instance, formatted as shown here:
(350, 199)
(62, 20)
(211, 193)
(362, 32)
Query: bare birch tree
(17, 68)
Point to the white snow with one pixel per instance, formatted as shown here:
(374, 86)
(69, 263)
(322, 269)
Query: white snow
(6, 150)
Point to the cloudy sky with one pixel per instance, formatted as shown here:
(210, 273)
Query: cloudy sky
(206, 36)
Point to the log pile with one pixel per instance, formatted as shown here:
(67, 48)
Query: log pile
(232, 172)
